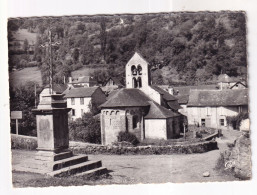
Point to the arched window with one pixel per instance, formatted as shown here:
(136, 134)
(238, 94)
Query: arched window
(139, 82)
(139, 69)
(133, 70)
(134, 82)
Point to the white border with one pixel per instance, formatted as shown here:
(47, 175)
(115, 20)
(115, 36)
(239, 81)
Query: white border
(23, 8)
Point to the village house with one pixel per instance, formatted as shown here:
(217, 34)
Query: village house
(142, 109)
(211, 107)
(80, 100)
(226, 82)
(57, 89)
(83, 81)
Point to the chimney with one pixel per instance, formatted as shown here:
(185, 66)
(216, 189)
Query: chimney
(64, 80)
(70, 79)
(171, 90)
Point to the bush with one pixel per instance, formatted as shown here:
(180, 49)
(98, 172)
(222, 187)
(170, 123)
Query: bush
(23, 142)
(235, 121)
(85, 129)
(128, 137)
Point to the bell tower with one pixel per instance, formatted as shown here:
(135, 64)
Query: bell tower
(137, 72)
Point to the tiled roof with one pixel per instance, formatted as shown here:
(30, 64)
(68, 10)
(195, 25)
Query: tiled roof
(182, 99)
(116, 80)
(158, 112)
(58, 88)
(84, 79)
(81, 92)
(184, 90)
(126, 98)
(166, 96)
(174, 105)
(218, 97)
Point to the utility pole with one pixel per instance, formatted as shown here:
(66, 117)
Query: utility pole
(49, 46)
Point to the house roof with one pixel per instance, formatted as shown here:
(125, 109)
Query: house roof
(116, 80)
(84, 79)
(159, 112)
(81, 92)
(185, 90)
(166, 96)
(226, 79)
(126, 98)
(218, 97)
(174, 105)
(58, 88)
(182, 99)
(237, 83)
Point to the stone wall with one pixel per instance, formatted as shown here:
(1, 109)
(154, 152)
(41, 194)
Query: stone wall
(155, 128)
(30, 143)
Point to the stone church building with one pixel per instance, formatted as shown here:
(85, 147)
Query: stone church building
(140, 108)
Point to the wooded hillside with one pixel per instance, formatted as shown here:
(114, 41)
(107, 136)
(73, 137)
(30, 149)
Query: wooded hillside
(190, 47)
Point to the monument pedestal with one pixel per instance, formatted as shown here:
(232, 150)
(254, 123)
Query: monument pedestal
(54, 157)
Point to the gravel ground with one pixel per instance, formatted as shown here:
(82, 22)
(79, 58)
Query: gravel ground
(132, 169)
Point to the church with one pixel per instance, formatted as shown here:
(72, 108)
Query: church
(145, 110)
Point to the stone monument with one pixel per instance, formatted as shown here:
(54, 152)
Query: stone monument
(54, 156)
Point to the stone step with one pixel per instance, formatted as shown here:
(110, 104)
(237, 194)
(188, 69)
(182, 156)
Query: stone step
(51, 156)
(93, 172)
(69, 161)
(74, 169)
(56, 165)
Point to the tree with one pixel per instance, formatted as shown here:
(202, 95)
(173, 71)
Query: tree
(22, 99)
(26, 45)
(75, 55)
(103, 37)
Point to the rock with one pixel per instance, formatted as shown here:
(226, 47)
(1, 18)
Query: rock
(206, 174)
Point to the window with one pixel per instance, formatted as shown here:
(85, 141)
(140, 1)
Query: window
(81, 101)
(203, 122)
(134, 82)
(222, 122)
(139, 82)
(135, 122)
(82, 112)
(139, 69)
(208, 111)
(73, 112)
(72, 101)
(133, 70)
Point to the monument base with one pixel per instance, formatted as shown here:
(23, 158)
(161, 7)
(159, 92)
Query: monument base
(62, 164)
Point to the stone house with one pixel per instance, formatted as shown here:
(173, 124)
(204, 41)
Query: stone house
(80, 100)
(114, 82)
(57, 89)
(142, 109)
(211, 107)
(83, 81)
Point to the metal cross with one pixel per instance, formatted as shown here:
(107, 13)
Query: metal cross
(49, 46)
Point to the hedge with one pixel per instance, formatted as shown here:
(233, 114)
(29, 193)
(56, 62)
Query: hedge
(30, 143)
(23, 142)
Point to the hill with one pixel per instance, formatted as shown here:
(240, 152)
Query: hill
(196, 47)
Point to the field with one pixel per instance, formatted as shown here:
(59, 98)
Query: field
(132, 169)
(19, 77)
(86, 71)
(23, 34)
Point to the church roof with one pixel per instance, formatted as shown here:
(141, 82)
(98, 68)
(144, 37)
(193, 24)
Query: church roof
(81, 92)
(159, 112)
(166, 96)
(126, 98)
(228, 97)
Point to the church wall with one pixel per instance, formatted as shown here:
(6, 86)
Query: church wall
(155, 129)
(112, 122)
(151, 93)
(173, 128)
(124, 119)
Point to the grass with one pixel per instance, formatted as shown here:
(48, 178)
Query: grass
(19, 77)
(23, 34)
(86, 71)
